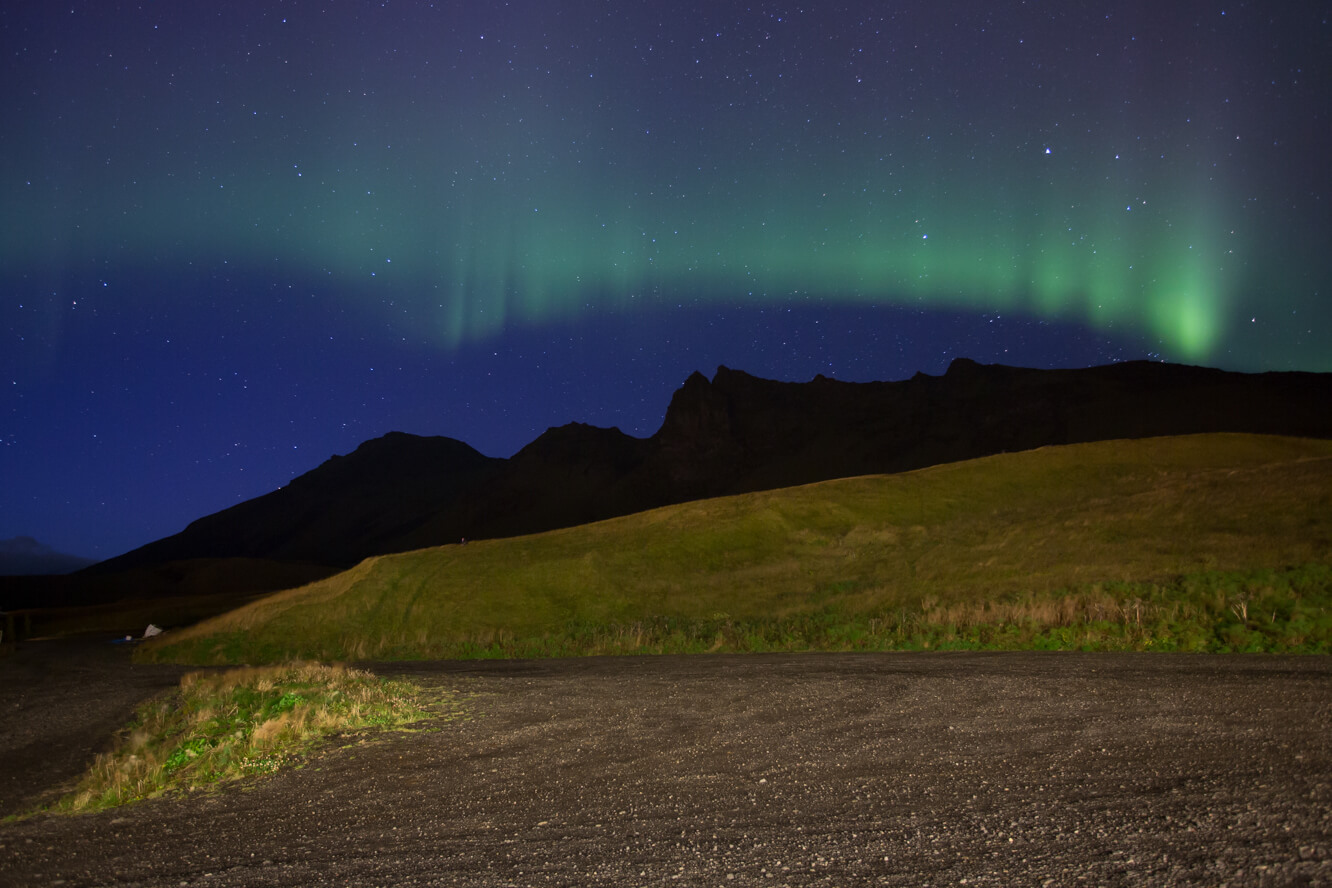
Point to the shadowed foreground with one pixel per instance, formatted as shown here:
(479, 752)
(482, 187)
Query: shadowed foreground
(879, 769)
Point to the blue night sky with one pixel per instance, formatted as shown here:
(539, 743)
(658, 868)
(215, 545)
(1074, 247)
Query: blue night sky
(238, 238)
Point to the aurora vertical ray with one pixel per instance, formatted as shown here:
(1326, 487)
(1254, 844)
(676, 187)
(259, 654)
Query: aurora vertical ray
(561, 159)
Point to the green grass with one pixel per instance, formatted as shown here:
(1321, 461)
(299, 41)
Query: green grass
(1209, 542)
(220, 727)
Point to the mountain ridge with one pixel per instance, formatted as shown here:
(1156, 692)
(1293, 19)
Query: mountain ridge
(731, 434)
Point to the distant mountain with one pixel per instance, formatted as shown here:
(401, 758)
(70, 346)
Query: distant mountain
(731, 434)
(351, 507)
(24, 556)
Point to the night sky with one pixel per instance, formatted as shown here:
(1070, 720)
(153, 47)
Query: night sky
(237, 238)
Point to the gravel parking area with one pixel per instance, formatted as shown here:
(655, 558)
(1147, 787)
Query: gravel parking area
(814, 769)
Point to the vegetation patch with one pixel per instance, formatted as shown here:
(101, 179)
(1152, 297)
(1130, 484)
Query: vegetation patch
(1205, 542)
(1286, 611)
(225, 726)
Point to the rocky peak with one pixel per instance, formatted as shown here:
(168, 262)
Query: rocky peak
(699, 411)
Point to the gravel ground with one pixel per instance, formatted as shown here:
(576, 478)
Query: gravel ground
(817, 769)
(61, 702)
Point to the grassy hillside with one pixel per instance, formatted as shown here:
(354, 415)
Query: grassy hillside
(1210, 542)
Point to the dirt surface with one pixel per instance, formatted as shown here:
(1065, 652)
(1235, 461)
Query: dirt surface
(898, 769)
(61, 702)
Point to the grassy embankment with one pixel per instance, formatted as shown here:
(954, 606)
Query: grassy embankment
(1200, 543)
(225, 726)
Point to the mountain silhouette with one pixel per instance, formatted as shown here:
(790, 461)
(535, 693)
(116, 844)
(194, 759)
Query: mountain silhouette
(731, 434)
(24, 556)
(350, 507)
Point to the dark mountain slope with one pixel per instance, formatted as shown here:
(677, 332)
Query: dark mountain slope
(349, 508)
(731, 434)
(739, 433)
(743, 433)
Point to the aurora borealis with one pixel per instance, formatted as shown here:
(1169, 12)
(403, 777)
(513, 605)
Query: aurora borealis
(237, 238)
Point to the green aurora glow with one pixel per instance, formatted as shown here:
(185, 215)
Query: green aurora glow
(574, 183)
